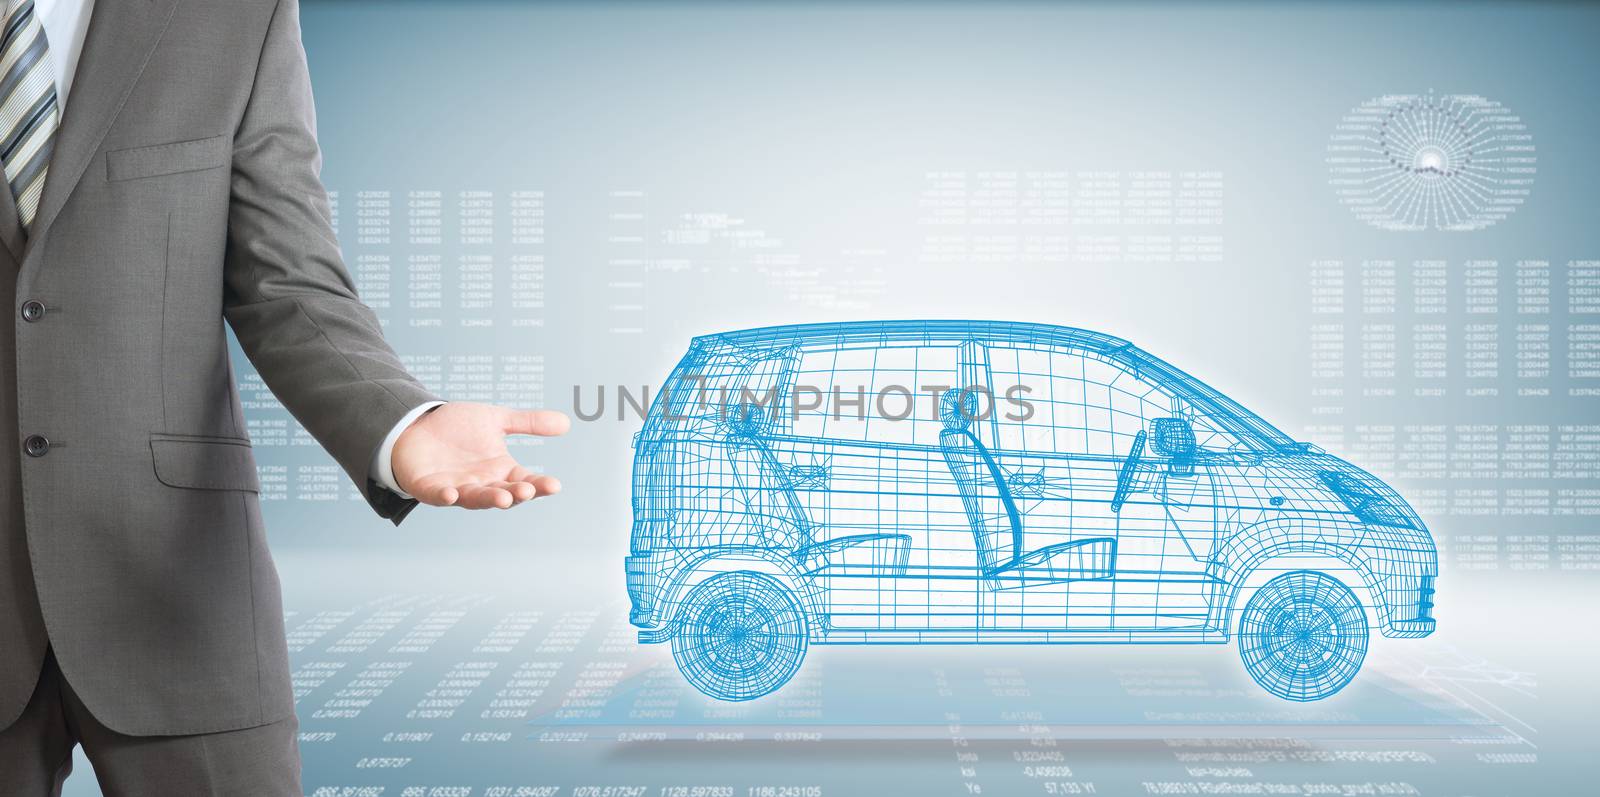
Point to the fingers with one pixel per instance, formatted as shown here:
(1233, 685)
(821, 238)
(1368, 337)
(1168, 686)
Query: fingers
(545, 423)
(468, 493)
(486, 496)
(543, 485)
(520, 491)
(501, 495)
(435, 492)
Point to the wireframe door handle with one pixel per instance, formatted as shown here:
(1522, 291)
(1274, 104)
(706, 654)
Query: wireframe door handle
(808, 476)
(1026, 483)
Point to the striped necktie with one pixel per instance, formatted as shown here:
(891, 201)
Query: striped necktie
(28, 112)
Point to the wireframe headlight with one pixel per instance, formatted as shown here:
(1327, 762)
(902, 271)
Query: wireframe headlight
(1365, 501)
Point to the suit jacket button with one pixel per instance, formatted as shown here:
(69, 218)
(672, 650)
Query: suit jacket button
(36, 445)
(32, 310)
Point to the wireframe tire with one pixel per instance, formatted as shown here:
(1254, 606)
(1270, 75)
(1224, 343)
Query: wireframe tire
(740, 636)
(1303, 636)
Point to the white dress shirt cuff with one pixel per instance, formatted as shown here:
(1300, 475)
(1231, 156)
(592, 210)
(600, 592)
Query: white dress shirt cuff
(382, 468)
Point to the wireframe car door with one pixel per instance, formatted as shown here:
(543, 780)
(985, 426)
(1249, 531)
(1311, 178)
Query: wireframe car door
(894, 551)
(1067, 541)
(1162, 509)
(1084, 476)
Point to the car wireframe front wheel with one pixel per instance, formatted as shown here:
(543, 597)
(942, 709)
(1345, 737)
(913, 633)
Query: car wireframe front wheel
(1303, 636)
(739, 636)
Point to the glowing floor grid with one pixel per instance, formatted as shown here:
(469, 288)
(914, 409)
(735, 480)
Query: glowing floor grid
(475, 695)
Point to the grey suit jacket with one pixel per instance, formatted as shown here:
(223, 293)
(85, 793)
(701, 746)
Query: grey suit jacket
(183, 192)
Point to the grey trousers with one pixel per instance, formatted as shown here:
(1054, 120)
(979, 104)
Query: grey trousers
(36, 753)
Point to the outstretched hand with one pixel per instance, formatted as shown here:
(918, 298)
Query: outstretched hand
(456, 456)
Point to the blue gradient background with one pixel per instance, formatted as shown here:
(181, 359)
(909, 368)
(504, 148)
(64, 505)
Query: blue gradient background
(816, 123)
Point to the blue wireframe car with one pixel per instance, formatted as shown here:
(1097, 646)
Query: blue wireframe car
(939, 482)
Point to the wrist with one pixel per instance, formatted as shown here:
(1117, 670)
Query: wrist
(382, 470)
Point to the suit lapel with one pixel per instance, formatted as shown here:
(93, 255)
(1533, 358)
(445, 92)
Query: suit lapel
(121, 36)
(11, 234)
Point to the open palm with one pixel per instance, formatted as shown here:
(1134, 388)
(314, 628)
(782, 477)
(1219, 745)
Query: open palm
(456, 456)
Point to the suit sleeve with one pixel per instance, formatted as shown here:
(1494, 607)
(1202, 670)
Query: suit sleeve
(288, 297)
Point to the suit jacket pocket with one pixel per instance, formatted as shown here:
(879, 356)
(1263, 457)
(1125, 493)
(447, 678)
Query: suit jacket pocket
(204, 463)
(173, 158)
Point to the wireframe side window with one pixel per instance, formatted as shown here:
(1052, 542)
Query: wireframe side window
(1081, 402)
(710, 389)
(879, 394)
(1208, 435)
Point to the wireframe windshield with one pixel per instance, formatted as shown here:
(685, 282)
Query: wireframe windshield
(1254, 429)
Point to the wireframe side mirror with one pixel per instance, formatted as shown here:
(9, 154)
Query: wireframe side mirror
(1173, 438)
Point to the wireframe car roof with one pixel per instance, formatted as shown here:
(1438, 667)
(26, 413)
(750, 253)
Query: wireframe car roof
(948, 332)
(914, 332)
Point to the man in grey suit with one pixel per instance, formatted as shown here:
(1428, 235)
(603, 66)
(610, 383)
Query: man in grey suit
(176, 190)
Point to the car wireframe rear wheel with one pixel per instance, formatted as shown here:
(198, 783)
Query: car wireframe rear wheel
(1303, 636)
(739, 636)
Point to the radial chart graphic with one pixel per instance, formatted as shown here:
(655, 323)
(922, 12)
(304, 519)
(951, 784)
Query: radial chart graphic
(1431, 162)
